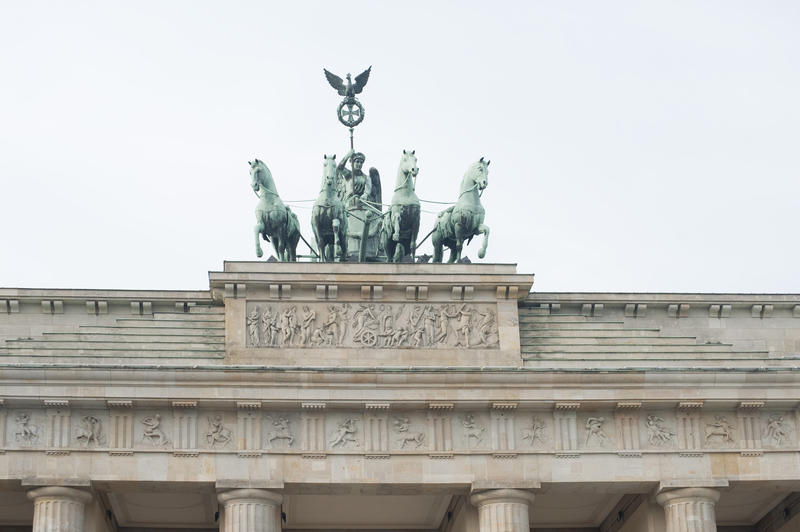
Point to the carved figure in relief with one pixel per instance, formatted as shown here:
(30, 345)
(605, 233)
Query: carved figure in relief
(365, 326)
(534, 433)
(472, 430)
(153, 433)
(309, 318)
(776, 430)
(487, 329)
(26, 431)
(318, 339)
(657, 433)
(281, 431)
(406, 435)
(90, 431)
(594, 431)
(720, 430)
(252, 326)
(464, 327)
(289, 325)
(217, 432)
(345, 433)
(445, 313)
(269, 328)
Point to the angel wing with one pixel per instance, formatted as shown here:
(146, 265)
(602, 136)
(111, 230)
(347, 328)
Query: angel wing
(361, 81)
(375, 177)
(338, 83)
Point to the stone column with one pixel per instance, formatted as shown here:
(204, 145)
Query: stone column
(58, 508)
(250, 510)
(503, 510)
(689, 509)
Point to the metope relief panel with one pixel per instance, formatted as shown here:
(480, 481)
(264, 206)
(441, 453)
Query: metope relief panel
(408, 431)
(778, 430)
(471, 431)
(719, 430)
(658, 430)
(25, 428)
(372, 325)
(152, 429)
(596, 430)
(344, 431)
(219, 430)
(534, 430)
(282, 431)
(89, 428)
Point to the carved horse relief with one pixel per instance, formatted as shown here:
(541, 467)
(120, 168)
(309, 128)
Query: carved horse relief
(401, 224)
(328, 217)
(274, 221)
(463, 220)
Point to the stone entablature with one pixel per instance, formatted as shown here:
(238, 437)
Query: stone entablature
(316, 429)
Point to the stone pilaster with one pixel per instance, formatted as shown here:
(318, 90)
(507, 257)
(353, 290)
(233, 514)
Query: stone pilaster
(184, 415)
(689, 434)
(250, 510)
(120, 427)
(3, 417)
(440, 430)
(58, 508)
(313, 422)
(503, 510)
(627, 424)
(58, 426)
(689, 509)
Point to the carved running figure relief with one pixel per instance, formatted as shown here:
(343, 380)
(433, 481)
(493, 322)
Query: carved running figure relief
(217, 432)
(280, 431)
(406, 435)
(534, 433)
(472, 430)
(153, 433)
(720, 431)
(345, 433)
(373, 325)
(776, 430)
(658, 434)
(90, 431)
(26, 432)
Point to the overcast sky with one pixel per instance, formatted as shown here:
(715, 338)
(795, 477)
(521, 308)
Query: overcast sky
(635, 146)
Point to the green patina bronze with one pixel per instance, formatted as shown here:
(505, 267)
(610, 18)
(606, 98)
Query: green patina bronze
(401, 224)
(463, 220)
(274, 221)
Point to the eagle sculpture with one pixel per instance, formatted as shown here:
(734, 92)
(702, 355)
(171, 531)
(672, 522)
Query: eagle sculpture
(350, 89)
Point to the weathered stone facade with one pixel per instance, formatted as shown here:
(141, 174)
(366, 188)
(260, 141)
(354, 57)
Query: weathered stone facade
(413, 396)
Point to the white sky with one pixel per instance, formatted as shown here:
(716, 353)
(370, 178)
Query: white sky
(635, 146)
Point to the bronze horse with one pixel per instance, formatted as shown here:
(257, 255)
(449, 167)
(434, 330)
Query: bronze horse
(328, 217)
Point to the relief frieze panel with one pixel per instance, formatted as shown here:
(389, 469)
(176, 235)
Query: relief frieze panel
(372, 325)
(383, 430)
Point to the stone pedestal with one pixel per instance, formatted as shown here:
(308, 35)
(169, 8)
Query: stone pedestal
(58, 509)
(503, 510)
(689, 509)
(251, 510)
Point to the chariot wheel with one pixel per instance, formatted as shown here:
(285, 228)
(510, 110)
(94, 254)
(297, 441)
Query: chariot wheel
(369, 338)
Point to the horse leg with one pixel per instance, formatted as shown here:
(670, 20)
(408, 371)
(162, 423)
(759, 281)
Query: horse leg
(337, 244)
(455, 251)
(257, 230)
(412, 242)
(436, 239)
(485, 230)
(396, 216)
(399, 252)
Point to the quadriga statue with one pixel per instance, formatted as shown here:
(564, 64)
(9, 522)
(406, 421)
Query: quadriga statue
(401, 223)
(328, 216)
(274, 221)
(463, 220)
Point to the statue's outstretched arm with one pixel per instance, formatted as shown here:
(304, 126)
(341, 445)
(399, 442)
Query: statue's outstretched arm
(343, 163)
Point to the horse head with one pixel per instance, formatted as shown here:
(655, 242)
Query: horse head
(408, 169)
(259, 174)
(477, 175)
(329, 173)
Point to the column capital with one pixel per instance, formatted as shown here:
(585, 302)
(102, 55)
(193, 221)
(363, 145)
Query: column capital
(251, 494)
(60, 492)
(675, 495)
(501, 495)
